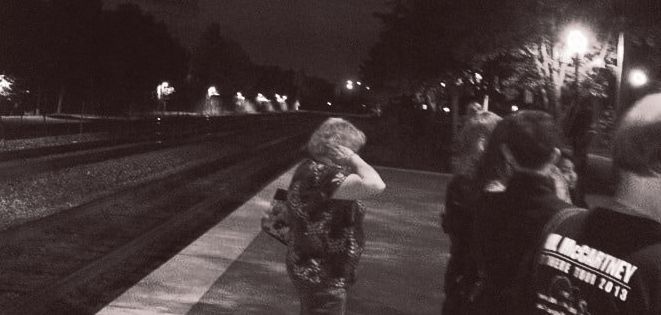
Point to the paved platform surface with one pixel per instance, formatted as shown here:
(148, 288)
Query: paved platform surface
(236, 269)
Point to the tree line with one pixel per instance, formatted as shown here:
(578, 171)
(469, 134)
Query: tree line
(74, 56)
(513, 50)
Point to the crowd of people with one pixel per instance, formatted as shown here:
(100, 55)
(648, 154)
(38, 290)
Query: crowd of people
(521, 244)
(521, 241)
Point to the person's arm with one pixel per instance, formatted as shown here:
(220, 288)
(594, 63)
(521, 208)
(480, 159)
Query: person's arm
(366, 182)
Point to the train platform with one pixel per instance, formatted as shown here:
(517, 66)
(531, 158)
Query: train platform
(235, 268)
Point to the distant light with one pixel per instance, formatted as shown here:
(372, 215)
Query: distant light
(6, 85)
(446, 109)
(637, 78)
(261, 98)
(424, 106)
(577, 43)
(359, 83)
(212, 91)
(515, 108)
(164, 89)
(240, 96)
(367, 88)
(158, 118)
(280, 99)
(364, 105)
(443, 84)
(329, 103)
(478, 76)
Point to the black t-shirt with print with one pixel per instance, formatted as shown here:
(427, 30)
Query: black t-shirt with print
(603, 262)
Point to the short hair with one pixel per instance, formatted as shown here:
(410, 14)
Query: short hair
(531, 135)
(333, 132)
(637, 140)
(467, 152)
(533, 138)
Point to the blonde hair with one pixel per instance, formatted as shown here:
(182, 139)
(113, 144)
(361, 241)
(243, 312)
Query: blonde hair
(334, 132)
(467, 151)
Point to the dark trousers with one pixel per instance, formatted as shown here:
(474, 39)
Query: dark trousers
(328, 301)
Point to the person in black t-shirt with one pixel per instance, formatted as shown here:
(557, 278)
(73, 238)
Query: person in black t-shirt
(510, 220)
(608, 261)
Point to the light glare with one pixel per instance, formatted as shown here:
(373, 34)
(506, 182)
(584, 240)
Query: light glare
(577, 43)
(637, 78)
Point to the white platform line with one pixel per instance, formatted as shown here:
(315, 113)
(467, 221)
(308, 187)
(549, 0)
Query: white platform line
(177, 285)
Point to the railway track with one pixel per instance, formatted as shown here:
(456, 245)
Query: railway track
(76, 261)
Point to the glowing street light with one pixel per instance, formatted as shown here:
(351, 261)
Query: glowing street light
(637, 78)
(577, 42)
(240, 96)
(515, 108)
(446, 109)
(212, 91)
(261, 98)
(5, 85)
(349, 85)
(329, 103)
(163, 92)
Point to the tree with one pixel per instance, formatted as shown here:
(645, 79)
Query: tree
(136, 54)
(221, 62)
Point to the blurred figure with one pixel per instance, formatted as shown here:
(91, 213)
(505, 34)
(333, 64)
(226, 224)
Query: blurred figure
(457, 219)
(567, 168)
(519, 197)
(325, 218)
(612, 253)
(473, 109)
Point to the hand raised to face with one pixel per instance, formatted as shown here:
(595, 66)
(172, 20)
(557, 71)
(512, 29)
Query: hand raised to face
(340, 154)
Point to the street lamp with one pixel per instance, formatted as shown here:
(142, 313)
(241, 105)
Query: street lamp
(637, 78)
(577, 44)
(163, 92)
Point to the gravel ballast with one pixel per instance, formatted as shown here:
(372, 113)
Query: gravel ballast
(35, 196)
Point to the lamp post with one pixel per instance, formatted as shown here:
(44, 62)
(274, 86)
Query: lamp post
(577, 44)
(580, 118)
(163, 92)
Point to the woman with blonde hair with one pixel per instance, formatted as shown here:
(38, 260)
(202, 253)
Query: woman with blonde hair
(462, 195)
(325, 217)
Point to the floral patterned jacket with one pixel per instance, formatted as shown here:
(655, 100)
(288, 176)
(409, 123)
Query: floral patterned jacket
(326, 234)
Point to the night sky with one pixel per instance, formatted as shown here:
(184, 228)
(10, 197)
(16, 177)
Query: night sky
(326, 38)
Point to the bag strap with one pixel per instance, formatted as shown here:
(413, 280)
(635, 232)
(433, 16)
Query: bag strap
(527, 264)
(558, 219)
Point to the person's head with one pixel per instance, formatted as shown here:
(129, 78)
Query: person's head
(567, 168)
(530, 137)
(472, 140)
(473, 109)
(334, 132)
(637, 141)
